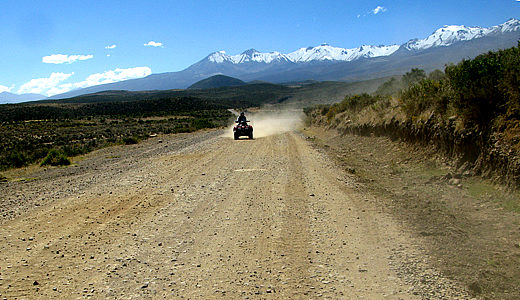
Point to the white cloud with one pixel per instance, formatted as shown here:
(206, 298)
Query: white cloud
(43, 85)
(110, 47)
(378, 9)
(154, 44)
(52, 85)
(113, 76)
(5, 89)
(64, 59)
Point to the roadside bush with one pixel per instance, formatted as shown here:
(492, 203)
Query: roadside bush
(40, 153)
(487, 88)
(25, 142)
(130, 140)
(427, 95)
(437, 75)
(75, 150)
(413, 77)
(321, 109)
(55, 158)
(17, 159)
(324, 109)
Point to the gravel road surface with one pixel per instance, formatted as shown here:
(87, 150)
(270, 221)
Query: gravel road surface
(201, 216)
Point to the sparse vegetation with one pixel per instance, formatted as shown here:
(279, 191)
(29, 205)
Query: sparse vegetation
(28, 142)
(471, 111)
(30, 133)
(353, 104)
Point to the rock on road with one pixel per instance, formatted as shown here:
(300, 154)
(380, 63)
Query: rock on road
(199, 216)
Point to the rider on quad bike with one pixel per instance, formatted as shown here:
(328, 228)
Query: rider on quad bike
(241, 118)
(242, 128)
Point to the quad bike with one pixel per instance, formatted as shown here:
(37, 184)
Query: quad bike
(242, 129)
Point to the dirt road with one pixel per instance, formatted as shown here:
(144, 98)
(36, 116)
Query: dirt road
(203, 216)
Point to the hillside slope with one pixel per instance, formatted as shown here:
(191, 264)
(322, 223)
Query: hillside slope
(217, 81)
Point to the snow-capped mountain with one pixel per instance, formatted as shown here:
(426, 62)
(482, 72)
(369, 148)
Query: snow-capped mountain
(448, 44)
(445, 36)
(323, 52)
(328, 53)
(448, 35)
(248, 56)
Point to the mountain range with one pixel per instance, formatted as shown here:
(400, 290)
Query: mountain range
(6, 97)
(448, 44)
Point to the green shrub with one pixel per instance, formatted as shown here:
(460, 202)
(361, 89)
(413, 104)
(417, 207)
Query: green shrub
(487, 87)
(437, 75)
(17, 159)
(325, 109)
(413, 77)
(40, 153)
(130, 141)
(55, 158)
(202, 123)
(74, 150)
(427, 95)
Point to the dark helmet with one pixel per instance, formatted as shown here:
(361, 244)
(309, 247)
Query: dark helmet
(242, 113)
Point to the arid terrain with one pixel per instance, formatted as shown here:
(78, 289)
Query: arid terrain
(292, 214)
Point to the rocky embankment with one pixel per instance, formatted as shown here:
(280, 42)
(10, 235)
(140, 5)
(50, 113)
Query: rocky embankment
(469, 152)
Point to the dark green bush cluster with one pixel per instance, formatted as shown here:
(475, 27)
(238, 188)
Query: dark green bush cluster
(483, 92)
(55, 158)
(321, 109)
(15, 158)
(426, 95)
(413, 77)
(130, 140)
(487, 87)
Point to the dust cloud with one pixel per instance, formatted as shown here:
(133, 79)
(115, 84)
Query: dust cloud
(270, 122)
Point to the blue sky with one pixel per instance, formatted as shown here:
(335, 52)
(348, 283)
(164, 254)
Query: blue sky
(49, 47)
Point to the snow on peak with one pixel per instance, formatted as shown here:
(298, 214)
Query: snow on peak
(250, 55)
(449, 34)
(445, 36)
(324, 52)
(218, 57)
(509, 26)
(329, 53)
